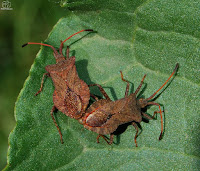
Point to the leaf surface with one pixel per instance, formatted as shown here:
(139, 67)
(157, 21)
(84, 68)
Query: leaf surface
(140, 37)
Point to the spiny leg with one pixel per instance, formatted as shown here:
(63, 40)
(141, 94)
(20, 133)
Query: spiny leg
(127, 87)
(100, 135)
(147, 116)
(42, 82)
(101, 90)
(52, 110)
(155, 112)
(139, 87)
(160, 111)
(94, 97)
(136, 134)
(111, 138)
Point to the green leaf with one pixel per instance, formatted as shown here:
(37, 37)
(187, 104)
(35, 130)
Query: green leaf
(140, 37)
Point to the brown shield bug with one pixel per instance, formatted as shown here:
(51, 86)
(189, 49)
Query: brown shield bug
(104, 116)
(71, 95)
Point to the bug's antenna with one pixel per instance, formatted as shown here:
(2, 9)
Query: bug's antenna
(175, 69)
(33, 43)
(61, 45)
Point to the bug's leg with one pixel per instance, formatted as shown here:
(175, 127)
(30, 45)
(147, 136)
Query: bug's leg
(52, 110)
(127, 86)
(100, 135)
(111, 139)
(94, 97)
(147, 116)
(42, 82)
(101, 90)
(98, 138)
(136, 134)
(139, 87)
(160, 111)
(156, 113)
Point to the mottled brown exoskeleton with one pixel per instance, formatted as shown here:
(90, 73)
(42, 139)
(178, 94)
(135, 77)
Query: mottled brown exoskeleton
(104, 116)
(71, 95)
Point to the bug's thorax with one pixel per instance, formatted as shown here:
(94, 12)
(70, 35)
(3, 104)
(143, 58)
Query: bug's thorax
(61, 65)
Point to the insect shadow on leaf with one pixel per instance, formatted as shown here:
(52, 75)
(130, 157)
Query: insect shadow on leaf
(104, 116)
(71, 95)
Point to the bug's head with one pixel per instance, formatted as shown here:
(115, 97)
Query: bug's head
(58, 55)
(142, 103)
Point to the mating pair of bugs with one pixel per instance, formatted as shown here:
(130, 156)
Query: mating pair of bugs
(71, 96)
